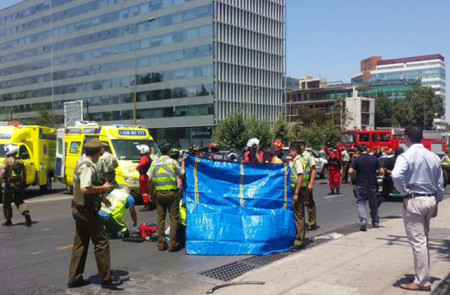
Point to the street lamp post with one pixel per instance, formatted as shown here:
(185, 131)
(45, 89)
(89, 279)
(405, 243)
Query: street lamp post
(149, 20)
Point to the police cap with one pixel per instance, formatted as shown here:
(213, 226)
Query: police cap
(93, 145)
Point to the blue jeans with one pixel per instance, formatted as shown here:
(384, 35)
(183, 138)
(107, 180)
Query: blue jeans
(364, 194)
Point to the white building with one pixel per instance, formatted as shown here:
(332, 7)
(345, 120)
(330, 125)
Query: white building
(360, 112)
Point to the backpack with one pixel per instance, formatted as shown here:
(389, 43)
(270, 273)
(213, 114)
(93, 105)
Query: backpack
(16, 175)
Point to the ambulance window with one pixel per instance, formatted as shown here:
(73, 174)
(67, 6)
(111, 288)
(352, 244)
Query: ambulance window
(60, 146)
(23, 153)
(384, 137)
(374, 137)
(364, 137)
(75, 147)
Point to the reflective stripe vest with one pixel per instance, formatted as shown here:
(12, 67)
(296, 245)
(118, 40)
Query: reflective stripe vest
(294, 176)
(163, 174)
(118, 199)
(306, 157)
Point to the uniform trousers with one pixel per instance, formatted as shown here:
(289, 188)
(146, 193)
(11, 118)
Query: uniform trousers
(88, 228)
(13, 196)
(167, 201)
(417, 213)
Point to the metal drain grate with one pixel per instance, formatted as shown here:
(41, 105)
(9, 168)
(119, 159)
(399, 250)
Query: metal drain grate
(265, 260)
(229, 272)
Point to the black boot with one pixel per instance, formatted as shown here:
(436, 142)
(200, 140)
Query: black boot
(332, 191)
(28, 219)
(337, 192)
(7, 222)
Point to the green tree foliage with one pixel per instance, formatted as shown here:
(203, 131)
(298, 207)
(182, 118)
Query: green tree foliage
(281, 130)
(46, 118)
(230, 133)
(255, 128)
(420, 107)
(316, 136)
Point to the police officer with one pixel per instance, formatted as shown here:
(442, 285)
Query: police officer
(309, 177)
(297, 175)
(13, 172)
(87, 196)
(163, 175)
(108, 165)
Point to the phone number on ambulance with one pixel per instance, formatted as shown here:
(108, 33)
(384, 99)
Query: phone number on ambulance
(132, 133)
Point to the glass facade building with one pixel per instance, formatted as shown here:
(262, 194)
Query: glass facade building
(197, 62)
(428, 69)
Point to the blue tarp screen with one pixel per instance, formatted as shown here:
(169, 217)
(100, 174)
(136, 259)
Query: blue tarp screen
(236, 209)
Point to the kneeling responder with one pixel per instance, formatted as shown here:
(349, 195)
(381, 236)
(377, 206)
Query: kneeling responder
(113, 216)
(87, 196)
(13, 173)
(163, 174)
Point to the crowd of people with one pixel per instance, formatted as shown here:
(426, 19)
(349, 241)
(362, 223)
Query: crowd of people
(99, 204)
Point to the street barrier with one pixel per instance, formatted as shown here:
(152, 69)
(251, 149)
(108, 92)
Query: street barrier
(237, 209)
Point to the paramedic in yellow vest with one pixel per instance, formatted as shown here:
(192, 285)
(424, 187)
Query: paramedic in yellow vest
(113, 216)
(163, 175)
(309, 177)
(298, 196)
(13, 174)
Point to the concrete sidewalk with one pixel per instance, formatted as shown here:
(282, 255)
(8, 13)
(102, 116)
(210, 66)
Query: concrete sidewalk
(372, 262)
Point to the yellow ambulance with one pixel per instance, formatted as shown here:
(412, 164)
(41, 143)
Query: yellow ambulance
(122, 140)
(36, 146)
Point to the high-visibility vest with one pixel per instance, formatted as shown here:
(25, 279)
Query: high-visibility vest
(294, 176)
(305, 158)
(118, 199)
(163, 174)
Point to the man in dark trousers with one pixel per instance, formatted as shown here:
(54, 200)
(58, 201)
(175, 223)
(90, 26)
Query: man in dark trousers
(366, 167)
(418, 176)
(87, 196)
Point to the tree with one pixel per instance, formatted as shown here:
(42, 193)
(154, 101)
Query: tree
(420, 106)
(230, 133)
(255, 128)
(316, 136)
(281, 130)
(384, 111)
(46, 118)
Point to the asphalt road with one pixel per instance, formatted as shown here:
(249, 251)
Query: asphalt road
(35, 260)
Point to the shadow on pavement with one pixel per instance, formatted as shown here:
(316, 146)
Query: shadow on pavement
(441, 246)
(116, 273)
(409, 278)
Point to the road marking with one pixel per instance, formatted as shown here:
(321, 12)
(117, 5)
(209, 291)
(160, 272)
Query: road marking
(48, 199)
(66, 247)
(333, 196)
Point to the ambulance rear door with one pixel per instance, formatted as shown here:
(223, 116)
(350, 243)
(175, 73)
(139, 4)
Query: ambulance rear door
(60, 161)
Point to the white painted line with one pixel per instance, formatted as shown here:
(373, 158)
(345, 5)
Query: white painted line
(45, 199)
(333, 196)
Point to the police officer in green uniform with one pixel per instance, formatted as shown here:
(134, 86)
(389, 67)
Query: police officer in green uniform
(108, 165)
(309, 177)
(14, 174)
(297, 173)
(87, 197)
(163, 175)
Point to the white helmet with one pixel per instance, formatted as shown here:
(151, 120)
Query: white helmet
(252, 141)
(11, 150)
(144, 149)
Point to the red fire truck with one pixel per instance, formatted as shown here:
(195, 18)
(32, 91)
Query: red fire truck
(388, 138)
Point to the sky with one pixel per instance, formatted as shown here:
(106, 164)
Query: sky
(329, 38)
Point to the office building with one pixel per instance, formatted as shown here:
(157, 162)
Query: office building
(195, 63)
(317, 93)
(428, 69)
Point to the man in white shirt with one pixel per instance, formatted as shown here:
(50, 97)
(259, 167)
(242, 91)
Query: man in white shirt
(418, 176)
